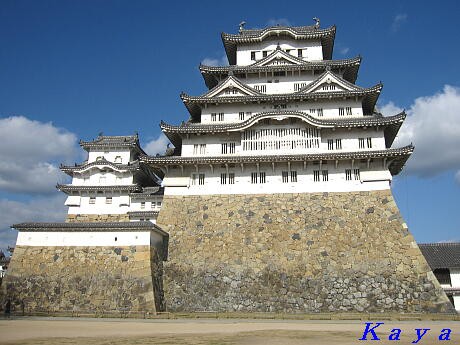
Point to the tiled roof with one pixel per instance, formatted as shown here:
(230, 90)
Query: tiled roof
(350, 67)
(68, 188)
(87, 226)
(398, 157)
(69, 169)
(172, 132)
(441, 255)
(113, 141)
(138, 214)
(326, 36)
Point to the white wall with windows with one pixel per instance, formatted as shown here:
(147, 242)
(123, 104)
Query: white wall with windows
(120, 156)
(278, 178)
(308, 50)
(321, 109)
(283, 137)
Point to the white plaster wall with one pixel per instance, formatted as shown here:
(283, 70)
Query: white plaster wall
(330, 110)
(152, 205)
(457, 303)
(110, 155)
(180, 184)
(121, 204)
(312, 49)
(455, 277)
(82, 238)
(94, 176)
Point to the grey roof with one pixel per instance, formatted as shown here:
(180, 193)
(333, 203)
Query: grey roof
(213, 74)
(392, 124)
(103, 142)
(398, 158)
(441, 255)
(89, 226)
(147, 191)
(137, 214)
(68, 188)
(326, 36)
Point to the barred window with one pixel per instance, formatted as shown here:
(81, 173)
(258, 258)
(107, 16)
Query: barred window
(262, 177)
(316, 175)
(348, 174)
(224, 148)
(299, 52)
(325, 175)
(254, 178)
(221, 116)
(330, 144)
(232, 147)
(293, 176)
(361, 143)
(197, 179)
(231, 178)
(285, 176)
(338, 144)
(369, 142)
(223, 178)
(213, 117)
(241, 115)
(356, 174)
(348, 109)
(319, 111)
(341, 111)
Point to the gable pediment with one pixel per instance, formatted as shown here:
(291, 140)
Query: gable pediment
(231, 87)
(278, 58)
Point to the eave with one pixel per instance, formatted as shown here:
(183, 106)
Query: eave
(213, 74)
(397, 158)
(101, 164)
(68, 189)
(390, 123)
(326, 36)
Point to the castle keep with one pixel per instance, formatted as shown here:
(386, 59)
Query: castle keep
(276, 197)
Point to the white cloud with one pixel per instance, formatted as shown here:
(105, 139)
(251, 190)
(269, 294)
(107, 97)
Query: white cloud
(30, 154)
(215, 62)
(344, 50)
(40, 209)
(457, 176)
(279, 21)
(390, 109)
(398, 21)
(433, 126)
(157, 145)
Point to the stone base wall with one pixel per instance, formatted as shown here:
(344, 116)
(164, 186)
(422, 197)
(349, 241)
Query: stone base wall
(294, 253)
(92, 279)
(105, 218)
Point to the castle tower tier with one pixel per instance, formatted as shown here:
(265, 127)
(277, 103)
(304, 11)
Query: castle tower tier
(277, 195)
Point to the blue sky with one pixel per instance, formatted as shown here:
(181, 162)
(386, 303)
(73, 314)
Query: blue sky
(71, 69)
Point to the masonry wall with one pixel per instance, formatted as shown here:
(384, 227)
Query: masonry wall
(294, 253)
(91, 279)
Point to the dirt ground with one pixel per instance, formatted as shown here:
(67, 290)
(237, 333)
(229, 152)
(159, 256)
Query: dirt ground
(66, 331)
